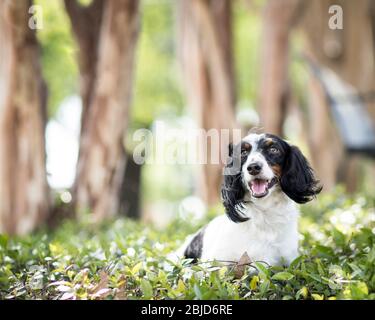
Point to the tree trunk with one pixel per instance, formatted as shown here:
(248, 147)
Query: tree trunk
(101, 162)
(278, 18)
(205, 52)
(24, 200)
(86, 23)
(325, 153)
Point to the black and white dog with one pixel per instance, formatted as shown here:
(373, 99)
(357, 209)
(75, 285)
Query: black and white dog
(259, 200)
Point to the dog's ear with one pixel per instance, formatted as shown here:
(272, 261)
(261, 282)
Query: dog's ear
(232, 190)
(297, 179)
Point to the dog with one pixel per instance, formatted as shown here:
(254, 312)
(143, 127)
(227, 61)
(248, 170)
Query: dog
(264, 178)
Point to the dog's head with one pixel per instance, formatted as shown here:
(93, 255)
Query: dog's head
(261, 165)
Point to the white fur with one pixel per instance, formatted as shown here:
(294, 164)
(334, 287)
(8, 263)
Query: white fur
(270, 235)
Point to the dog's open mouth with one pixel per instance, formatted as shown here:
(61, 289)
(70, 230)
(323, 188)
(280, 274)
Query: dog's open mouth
(260, 187)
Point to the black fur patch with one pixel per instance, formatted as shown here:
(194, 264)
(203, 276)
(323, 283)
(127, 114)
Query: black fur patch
(194, 249)
(298, 180)
(297, 177)
(232, 189)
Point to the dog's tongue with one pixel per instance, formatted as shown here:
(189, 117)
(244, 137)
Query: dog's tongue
(259, 186)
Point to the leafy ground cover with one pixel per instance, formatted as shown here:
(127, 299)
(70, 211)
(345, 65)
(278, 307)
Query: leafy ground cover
(124, 259)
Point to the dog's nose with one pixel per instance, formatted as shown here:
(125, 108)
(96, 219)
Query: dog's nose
(254, 168)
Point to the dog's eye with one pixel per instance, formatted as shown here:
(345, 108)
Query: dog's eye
(274, 150)
(244, 152)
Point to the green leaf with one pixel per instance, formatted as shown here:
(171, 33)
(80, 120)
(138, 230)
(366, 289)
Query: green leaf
(146, 289)
(303, 292)
(262, 269)
(136, 268)
(371, 255)
(197, 291)
(339, 237)
(324, 251)
(320, 267)
(295, 262)
(315, 277)
(336, 270)
(282, 276)
(359, 290)
(254, 282)
(181, 286)
(3, 240)
(264, 286)
(56, 248)
(316, 296)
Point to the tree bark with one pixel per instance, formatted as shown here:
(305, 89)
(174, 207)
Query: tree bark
(205, 52)
(24, 200)
(278, 18)
(101, 162)
(86, 23)
(325, 152)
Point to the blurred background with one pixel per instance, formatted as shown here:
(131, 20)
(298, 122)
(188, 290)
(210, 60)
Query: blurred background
(78, 78)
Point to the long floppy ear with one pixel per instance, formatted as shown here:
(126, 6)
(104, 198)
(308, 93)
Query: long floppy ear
(232, 190)
(297, 179)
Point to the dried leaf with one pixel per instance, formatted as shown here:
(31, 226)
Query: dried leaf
(68, 296)
(63, 288)
(103, 283)
(101, 294)
(121, 292)
(58, 283)
(240, 267)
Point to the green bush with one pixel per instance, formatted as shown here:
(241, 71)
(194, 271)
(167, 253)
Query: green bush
(124, 259)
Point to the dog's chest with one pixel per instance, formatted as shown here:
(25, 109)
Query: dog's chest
(270, 240)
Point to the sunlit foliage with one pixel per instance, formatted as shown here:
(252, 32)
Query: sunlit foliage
(123, 259)
(59, 53)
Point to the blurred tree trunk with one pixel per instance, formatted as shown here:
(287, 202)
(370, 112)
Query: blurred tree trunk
(205, 52)
(86, 22)
(101, 162)
(24, 199)
(349, 52)
(372, 21)
(278, 18)
(325, 152)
